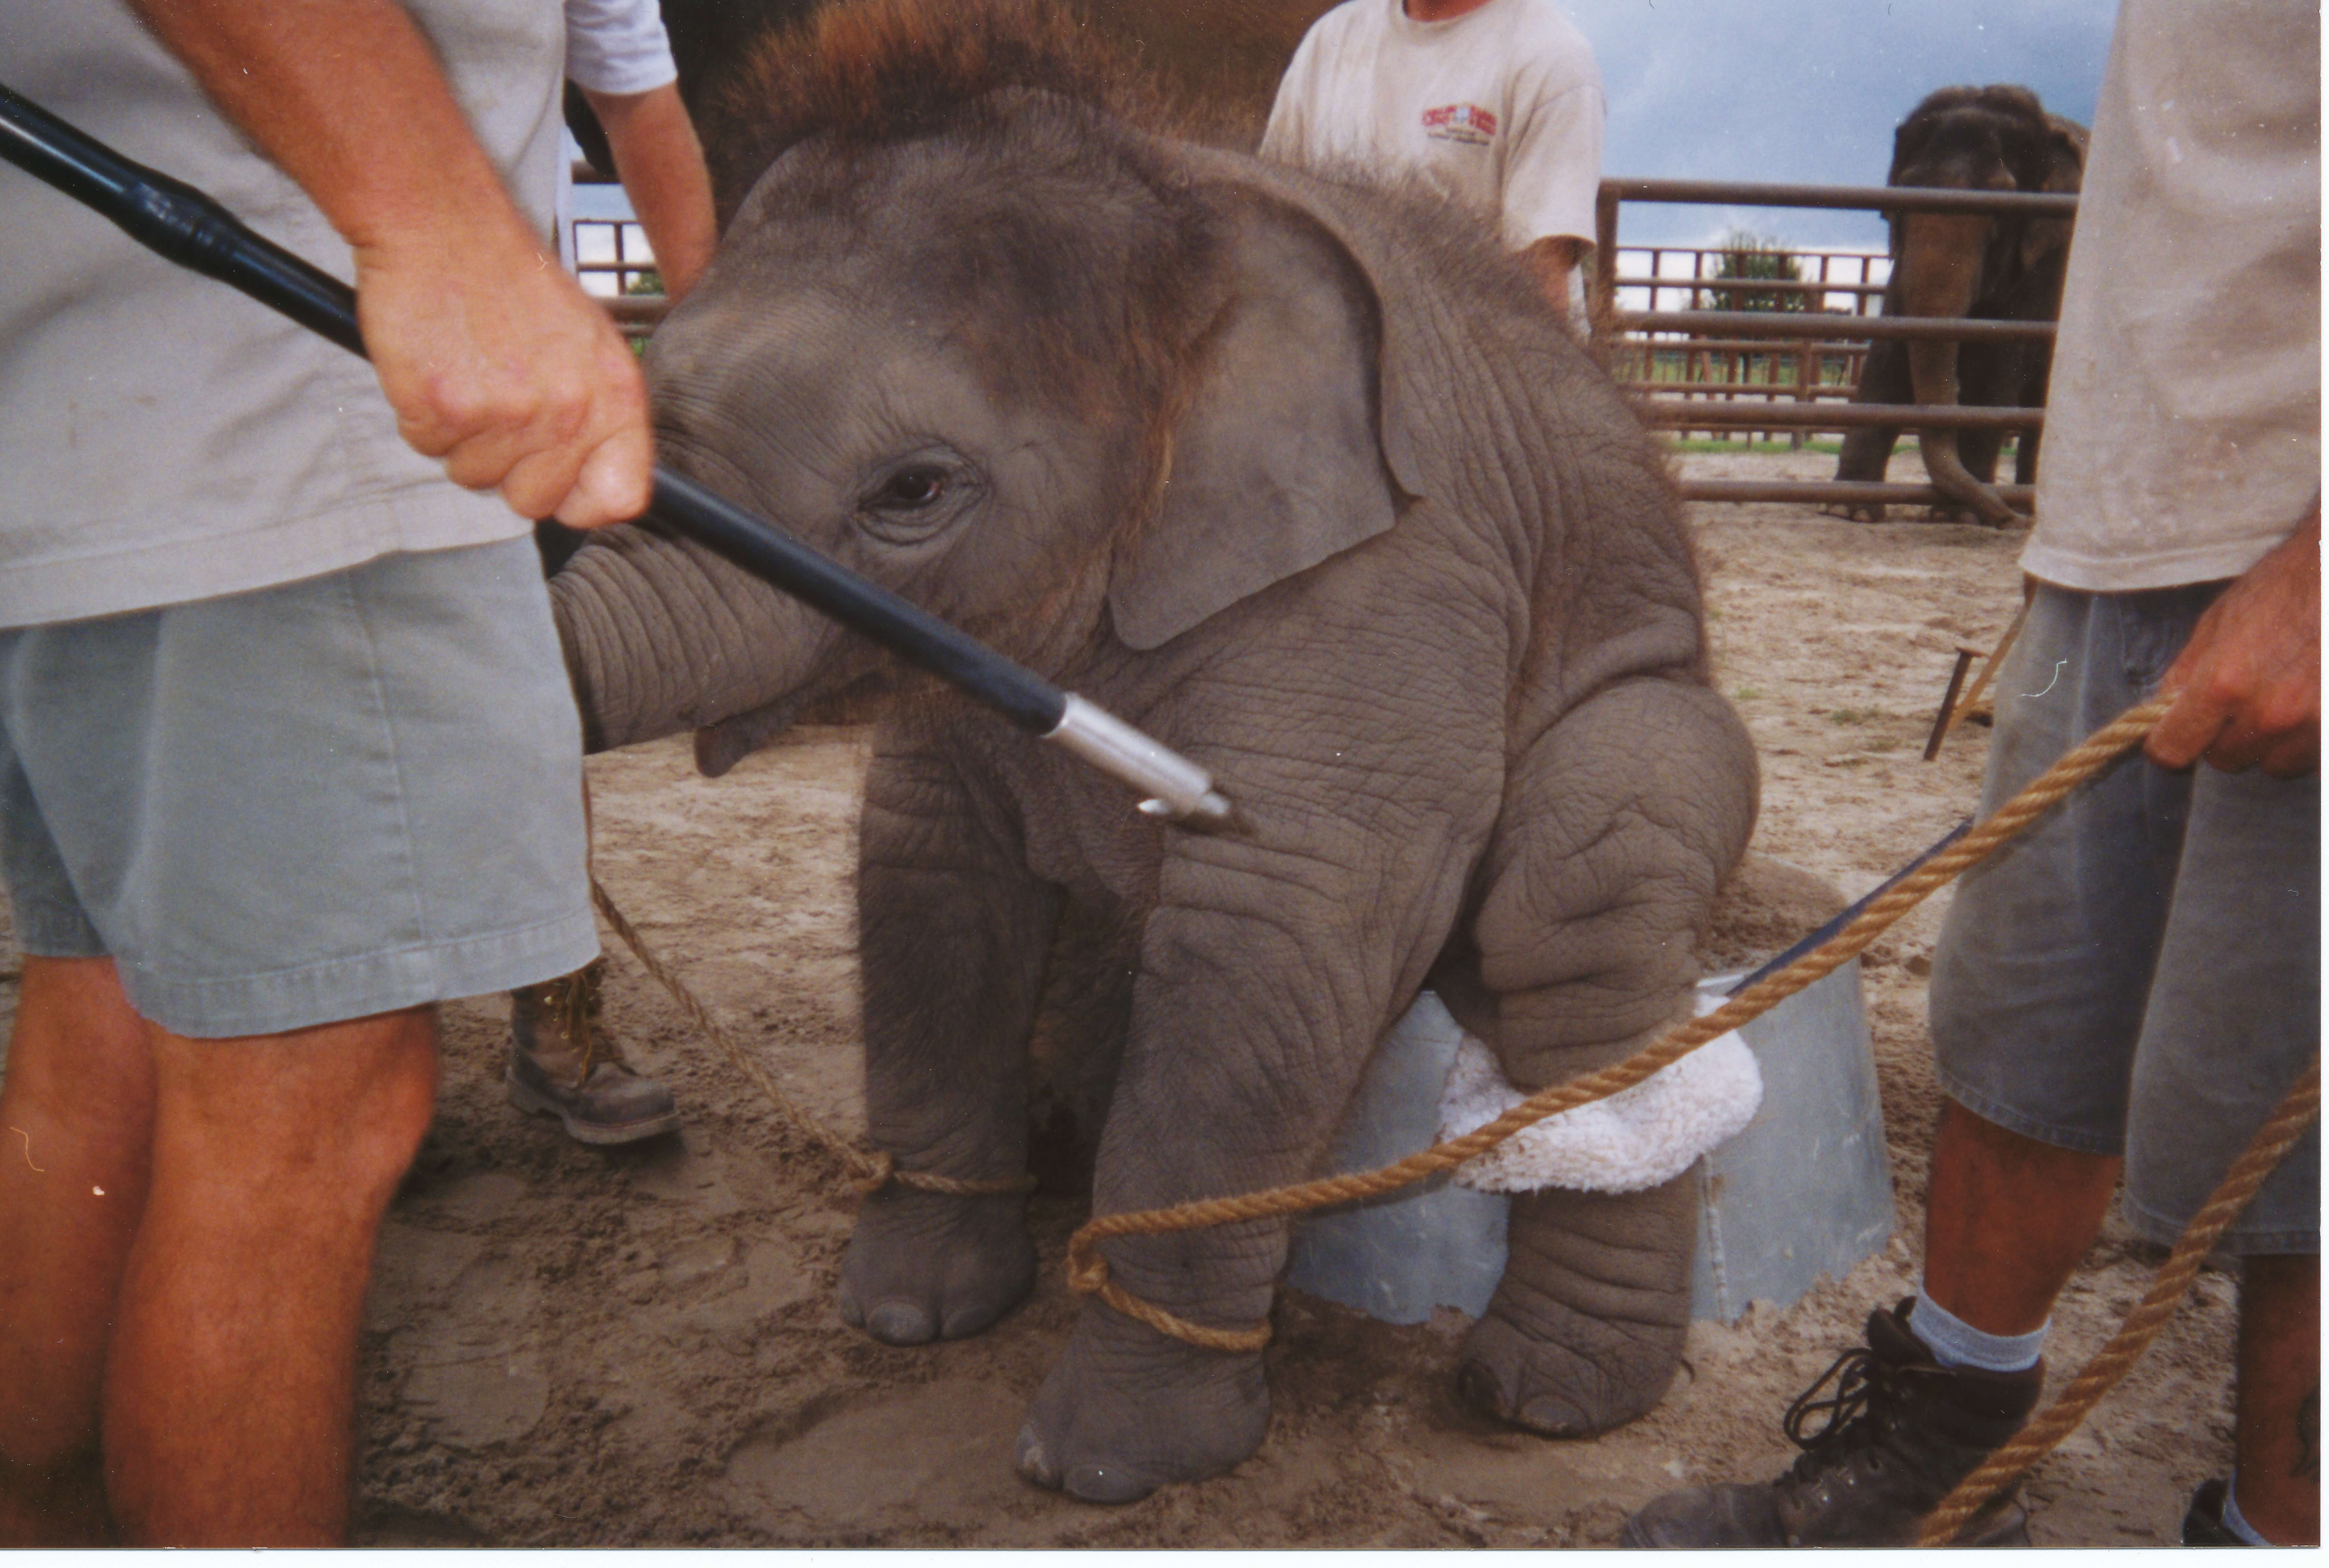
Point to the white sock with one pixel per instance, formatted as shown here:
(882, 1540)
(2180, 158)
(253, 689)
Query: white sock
(1955, 1342)
(2233, 1521)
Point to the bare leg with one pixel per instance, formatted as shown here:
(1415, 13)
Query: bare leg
(227, 1397)
(76, 1118)
(2007, 1219)
(2279, 1401)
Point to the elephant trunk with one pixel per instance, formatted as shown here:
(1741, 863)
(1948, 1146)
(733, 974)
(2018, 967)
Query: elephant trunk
(660, 636)
(1940, 275)
(1934, 369)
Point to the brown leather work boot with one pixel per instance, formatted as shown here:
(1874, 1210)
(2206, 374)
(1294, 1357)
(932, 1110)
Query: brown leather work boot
(1901, 1431)
(561, 1065)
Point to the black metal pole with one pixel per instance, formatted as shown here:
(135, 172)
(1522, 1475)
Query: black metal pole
(193, 229)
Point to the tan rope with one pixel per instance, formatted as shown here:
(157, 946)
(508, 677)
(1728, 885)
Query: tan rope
(869, 1171)
(2115, 1359)
(1087, 1272)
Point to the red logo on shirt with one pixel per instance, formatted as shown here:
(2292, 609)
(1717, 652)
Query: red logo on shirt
(1460, 122)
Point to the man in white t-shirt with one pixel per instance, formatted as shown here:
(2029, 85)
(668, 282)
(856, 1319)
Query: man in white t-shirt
(619, 55)
(2122, 995)
(1496, 103)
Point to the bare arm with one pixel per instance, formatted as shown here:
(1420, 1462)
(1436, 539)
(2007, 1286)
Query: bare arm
(492, 358)
(1553, 259)
(661, 166)
(2249, 679)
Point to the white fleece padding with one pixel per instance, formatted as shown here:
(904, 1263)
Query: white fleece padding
(1631, 1141)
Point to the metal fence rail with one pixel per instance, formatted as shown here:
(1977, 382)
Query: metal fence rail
(1729, 362)
(1820, 350)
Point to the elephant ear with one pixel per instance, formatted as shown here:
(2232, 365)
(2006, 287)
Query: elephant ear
(1284, 455)
(2064, 169)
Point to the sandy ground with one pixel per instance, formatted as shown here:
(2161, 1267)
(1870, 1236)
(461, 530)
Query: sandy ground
(566, 1346)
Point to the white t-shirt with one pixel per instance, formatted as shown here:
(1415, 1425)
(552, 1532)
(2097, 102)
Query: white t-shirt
(618, 46)
(163, 438)
(1500, 107)
(2183, 418)
(612, 46)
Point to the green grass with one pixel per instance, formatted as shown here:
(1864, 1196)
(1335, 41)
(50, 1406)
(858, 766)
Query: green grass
(1854, 714)
(1751, 448)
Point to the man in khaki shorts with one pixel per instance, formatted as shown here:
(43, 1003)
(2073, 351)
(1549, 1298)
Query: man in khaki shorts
(2130, 987)
(287, 749)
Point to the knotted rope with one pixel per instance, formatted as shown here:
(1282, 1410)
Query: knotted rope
(1087, 1271)
(2115, 1359)
(869, 1170)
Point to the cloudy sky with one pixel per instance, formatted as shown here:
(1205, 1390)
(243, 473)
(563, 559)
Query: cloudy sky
(1808, 91)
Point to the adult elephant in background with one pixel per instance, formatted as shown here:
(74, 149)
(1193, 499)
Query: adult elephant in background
(1954, 264)
(1304, 479)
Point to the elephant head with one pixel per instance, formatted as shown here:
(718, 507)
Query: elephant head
(1027, 365)
(1949, 264)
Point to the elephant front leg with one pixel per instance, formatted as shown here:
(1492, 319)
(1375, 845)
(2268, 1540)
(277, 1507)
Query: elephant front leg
(1617, 830)
(1127, 1409)
(953, 932)
(1250, 1025)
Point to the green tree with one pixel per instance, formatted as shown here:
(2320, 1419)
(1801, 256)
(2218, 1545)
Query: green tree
(1755, 256)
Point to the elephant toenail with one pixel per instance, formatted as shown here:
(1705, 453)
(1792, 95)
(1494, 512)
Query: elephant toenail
(1555, 1417)
(900, 1323)
(1479, 1388)
(1107, 1484)
(1030, 1462)
(965, 1321)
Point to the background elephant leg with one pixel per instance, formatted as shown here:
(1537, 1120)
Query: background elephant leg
(1868, 449)
(1978, 450)
(2025, 456)
(1989, 375)
(2032, 392)
(953, 936)
(1618, 827)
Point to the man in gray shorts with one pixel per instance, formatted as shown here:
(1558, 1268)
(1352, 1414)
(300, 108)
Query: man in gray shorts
(2131, 986)
(287, 749)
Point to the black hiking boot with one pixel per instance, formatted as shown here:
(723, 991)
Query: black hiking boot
(561, 1065)
(2203, 1521)
(1901, 1431)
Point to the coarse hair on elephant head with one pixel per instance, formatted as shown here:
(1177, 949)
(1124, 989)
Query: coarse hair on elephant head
(1033, 364)
(1971, 265)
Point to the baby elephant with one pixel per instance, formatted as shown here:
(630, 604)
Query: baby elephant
(1299, 475)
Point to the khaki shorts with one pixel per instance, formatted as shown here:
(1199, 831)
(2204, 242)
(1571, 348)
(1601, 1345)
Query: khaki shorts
(321, 801)
(2139, 972)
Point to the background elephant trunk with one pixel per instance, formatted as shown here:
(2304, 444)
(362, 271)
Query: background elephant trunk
(660, 636)
(1942, 259)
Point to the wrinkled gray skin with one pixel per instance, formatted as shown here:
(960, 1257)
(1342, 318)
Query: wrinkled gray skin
(1947, 264)
(1416, 592)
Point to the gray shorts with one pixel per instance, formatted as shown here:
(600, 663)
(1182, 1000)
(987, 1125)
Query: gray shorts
(2139, 972)
(320, 801)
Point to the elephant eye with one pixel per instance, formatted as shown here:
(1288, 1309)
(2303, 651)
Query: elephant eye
(909, 489)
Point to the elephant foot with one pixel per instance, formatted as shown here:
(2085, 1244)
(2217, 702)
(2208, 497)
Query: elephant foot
(1127, 1411)
(1855, 511)
(1585, 1328)
(924, 1265)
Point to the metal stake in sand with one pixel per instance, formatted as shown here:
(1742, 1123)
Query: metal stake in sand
(189, 228)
